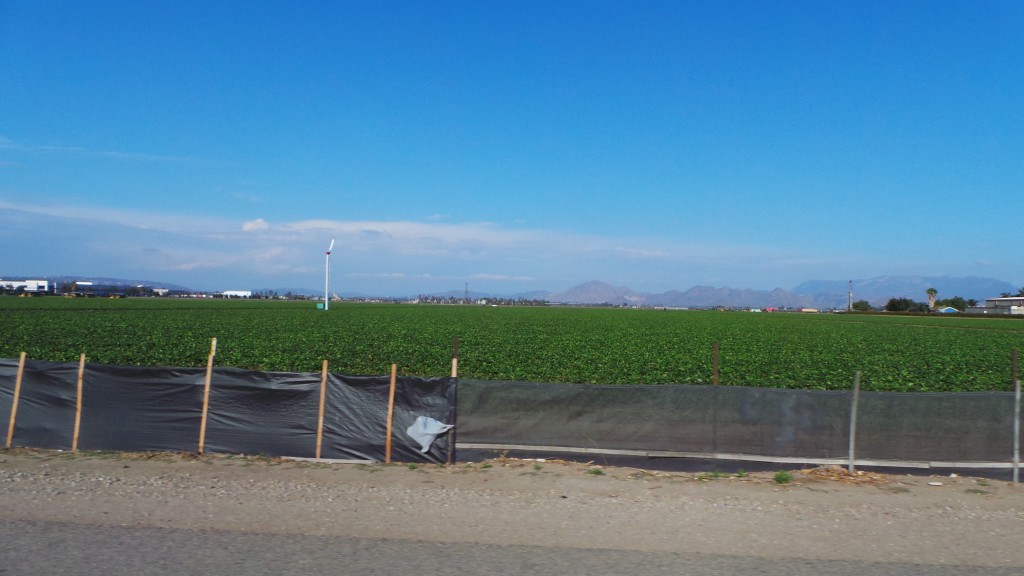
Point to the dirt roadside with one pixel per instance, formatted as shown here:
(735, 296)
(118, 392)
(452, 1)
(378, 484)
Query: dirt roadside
(818, 514)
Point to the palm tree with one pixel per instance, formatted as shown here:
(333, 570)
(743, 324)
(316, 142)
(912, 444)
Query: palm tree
(932, 293)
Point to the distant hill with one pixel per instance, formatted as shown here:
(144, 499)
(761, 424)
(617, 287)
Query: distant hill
(880, 289)
(596, 292)
(708, 296)
(822, 294)
(474, 295)
(116, 282)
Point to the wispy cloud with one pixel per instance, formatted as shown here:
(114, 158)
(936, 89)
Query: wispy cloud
(643, 254)
(9, 145)
(502, 278)
(196, 249)
(141, 219)
(392, 275)
(246, 197)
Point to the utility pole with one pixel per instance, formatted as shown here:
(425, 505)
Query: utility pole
(465, 298)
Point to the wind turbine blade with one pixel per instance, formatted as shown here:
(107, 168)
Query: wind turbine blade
(331, 247)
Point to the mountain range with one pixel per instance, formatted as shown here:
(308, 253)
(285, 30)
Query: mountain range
(822, 294)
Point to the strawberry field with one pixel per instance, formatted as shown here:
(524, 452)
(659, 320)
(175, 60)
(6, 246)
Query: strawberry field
(553, 344)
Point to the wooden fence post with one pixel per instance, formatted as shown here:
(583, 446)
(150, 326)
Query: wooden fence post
(17, 395)
(206, 395)
(320, 417)
(78, 402)
(391, 413)
(451, 431)
(455, 359)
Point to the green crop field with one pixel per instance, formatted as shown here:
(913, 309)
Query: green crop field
(553, 344)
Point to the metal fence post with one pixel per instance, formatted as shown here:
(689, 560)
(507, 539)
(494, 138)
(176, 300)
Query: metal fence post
(1016, 418)
(853, 420)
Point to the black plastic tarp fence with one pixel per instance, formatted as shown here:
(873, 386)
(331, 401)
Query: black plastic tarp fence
(276, 414)
(127, 408)
(813, 425)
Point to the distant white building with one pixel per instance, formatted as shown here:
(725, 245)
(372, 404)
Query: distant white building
(1010, 305)
(237, 293)
(29, 286)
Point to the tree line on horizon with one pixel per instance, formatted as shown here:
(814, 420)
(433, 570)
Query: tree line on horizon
(911, 305)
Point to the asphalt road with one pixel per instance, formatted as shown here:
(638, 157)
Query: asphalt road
(31, 548)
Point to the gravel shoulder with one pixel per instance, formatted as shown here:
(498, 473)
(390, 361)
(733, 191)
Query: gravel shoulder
(821, 514)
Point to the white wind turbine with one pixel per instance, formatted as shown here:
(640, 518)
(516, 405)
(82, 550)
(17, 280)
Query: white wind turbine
(327, 277)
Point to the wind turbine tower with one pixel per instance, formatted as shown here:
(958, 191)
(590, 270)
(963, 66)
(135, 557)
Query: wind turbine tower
(327, 277)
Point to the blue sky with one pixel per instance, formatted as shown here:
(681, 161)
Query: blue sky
(512, 146)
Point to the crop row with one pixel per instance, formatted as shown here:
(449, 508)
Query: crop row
(600, 346)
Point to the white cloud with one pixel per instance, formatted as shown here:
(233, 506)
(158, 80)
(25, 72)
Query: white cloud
(198, 250)
(254, 225)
